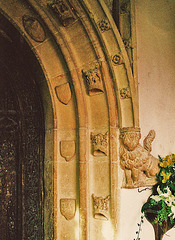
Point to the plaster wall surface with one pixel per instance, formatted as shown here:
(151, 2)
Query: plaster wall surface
(155, 27)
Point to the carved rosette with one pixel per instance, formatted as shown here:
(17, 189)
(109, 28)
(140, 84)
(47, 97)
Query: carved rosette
(104, 25)
(101, 207)
(117, 59)
(68, 208)
(34, 28)
(100, 144)
(125, 93)
(139, 166)
(127, 43)
(93, 81)
(63, 10)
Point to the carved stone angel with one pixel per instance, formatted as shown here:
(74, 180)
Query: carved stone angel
(139, 166)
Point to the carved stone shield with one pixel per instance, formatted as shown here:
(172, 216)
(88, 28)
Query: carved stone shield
(67, 149)
(34, 28)
(68, 208)
(63, 93)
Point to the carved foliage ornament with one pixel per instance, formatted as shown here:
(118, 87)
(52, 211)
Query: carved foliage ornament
(64, 11)
(125, 93)
(127, 43)
(68, 208)
(104, 25)
(34, 28)
(139, 166)
(100, 144)
(93, 81)
(101, 207)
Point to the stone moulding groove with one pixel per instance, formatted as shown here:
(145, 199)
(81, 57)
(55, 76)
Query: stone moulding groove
(112, 97)
(82, 120)
(127, 64)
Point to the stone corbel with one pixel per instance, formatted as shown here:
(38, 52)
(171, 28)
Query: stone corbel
(63, 10)
(100, 144)
(93, 80)
(139, 166)
(101, 207)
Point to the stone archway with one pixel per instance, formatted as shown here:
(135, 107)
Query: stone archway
(22, 139)
(93, 94)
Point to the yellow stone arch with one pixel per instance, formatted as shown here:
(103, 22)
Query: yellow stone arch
(92, 92)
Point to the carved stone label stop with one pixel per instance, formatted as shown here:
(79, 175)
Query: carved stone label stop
(101, 207)
(63, 10)
(100, 144)
(93, 81)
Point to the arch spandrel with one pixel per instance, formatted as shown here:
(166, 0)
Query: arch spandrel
(92, 90)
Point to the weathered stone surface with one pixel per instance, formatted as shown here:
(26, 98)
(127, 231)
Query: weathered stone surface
(99, 144)
(63, 93)
(68, 208)
(139, 166)
(34, 28)
(67, 149)
(101, 207)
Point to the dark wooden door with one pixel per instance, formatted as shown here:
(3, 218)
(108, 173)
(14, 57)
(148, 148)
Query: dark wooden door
(10, 172)
(21, 152)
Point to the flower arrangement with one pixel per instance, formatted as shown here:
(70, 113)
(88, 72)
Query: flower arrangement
(160, 206)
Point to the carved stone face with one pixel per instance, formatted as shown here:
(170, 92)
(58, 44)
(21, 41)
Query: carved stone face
(131, 140)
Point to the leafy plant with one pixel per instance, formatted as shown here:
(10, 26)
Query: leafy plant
(160, 206)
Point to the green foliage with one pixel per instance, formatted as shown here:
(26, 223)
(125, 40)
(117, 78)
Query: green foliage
(160, 206)
(163, 213)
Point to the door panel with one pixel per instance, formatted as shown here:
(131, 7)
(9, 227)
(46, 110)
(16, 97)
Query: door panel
(21, 152)
(10, 226)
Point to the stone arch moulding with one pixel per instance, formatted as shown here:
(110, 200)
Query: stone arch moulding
(93, 93)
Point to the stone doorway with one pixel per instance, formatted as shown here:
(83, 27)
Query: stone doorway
(21, 140)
